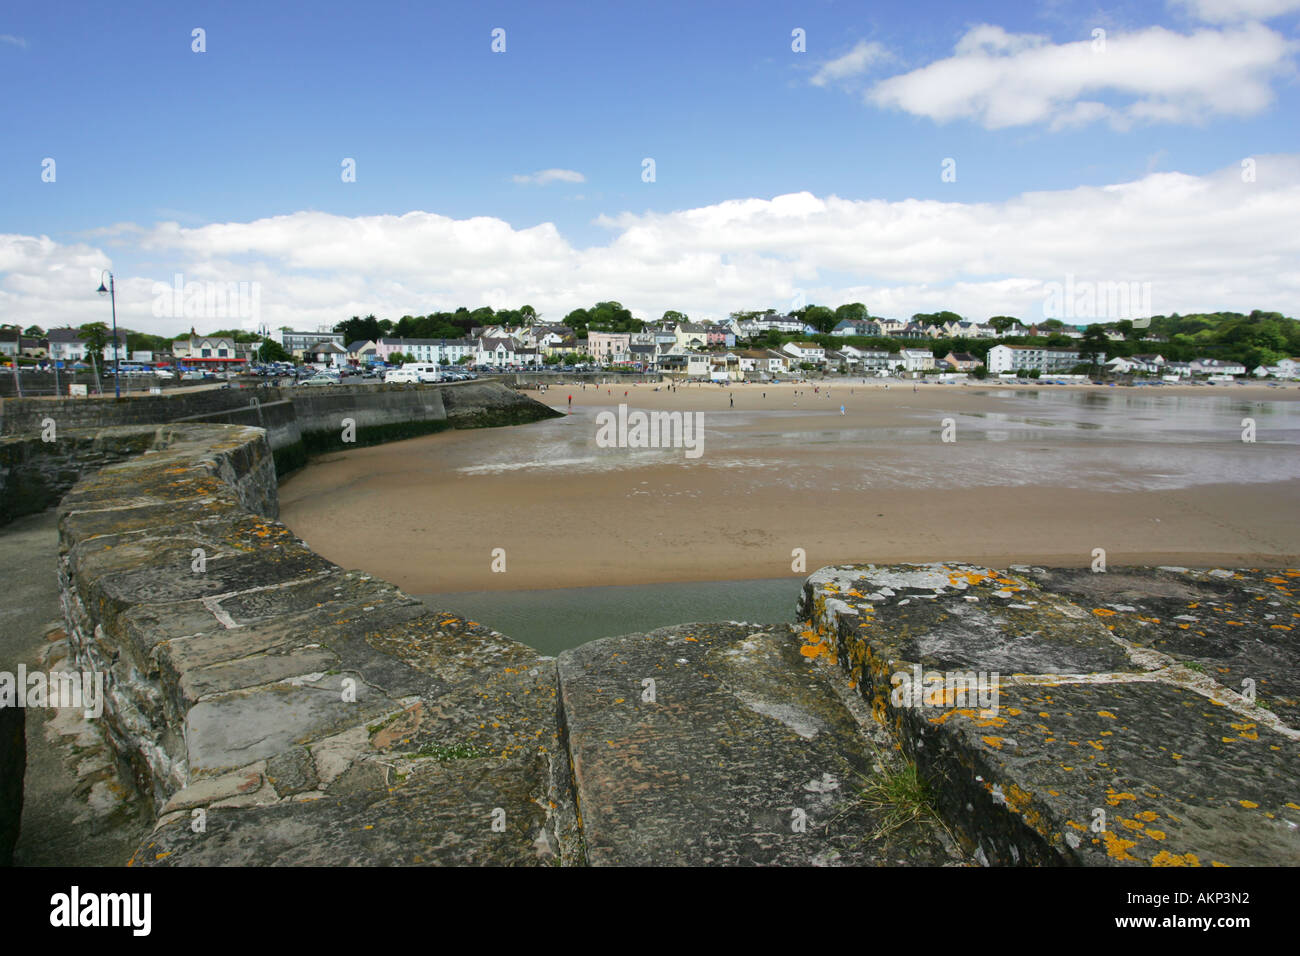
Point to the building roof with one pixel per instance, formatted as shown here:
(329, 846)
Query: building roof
(74, 335)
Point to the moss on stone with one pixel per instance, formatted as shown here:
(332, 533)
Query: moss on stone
(324, 441)
(289, 459)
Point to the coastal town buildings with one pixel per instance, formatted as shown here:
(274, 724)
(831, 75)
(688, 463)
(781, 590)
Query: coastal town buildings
(916, 360)
(962, 361)
(1032, 358)
(295, 342)
(209, 351)
(1211, 366)
(609, 348)
(68, 345)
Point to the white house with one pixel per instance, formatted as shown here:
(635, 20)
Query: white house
(496, 351)
(295, 342)
(691, 335)
(206, 350)
(1124, 366)
(867, 359)
(1209, 366)
(806, 351)
(916, 360)
(847, 327)
(326, 353)
(67, 345)
(1276, 371)
(1029, 358)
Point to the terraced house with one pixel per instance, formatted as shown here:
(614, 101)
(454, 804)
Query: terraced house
(609, 348)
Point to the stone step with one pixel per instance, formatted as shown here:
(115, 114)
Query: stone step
(721, 744)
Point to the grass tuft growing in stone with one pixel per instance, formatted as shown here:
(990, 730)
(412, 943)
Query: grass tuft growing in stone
(445, 752)
(896, 796)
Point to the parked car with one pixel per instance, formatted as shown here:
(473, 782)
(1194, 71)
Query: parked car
(322, 378)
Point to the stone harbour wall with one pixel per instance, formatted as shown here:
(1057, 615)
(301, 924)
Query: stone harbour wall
(299, 421)
(307, 713)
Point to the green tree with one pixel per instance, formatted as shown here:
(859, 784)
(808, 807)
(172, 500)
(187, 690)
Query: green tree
(357, 329)
(1002, 322)
(96, 336)
(579, 320)
(1093, 344)
(672, 315)
(820, 317)
(272, 351)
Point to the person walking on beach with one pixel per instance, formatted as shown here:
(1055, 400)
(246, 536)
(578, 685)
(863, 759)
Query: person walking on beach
(841, 409)
(733, 400)
(570, 403)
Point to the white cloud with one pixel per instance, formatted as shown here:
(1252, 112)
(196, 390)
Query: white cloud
(1153, 75)
(544, 177)
(13, 40)
(1234, 11)
(1203, 242)
(858, 60)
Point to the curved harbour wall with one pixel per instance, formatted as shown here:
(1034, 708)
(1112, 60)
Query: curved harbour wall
(299, 421)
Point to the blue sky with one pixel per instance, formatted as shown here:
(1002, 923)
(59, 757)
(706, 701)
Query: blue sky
(145, 132)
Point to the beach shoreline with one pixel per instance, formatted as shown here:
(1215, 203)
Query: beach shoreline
(874, 484)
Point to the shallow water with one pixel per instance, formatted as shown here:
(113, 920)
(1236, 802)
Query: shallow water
(1111, 441)
(553, 620)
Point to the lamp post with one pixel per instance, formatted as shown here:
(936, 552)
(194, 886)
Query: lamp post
(112, 297)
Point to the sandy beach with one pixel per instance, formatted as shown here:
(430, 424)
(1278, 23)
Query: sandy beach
(1032, 476)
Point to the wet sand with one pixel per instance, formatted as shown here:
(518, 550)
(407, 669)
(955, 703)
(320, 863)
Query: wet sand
(1034, 476)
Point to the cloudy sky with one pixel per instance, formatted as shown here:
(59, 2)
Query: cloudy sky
(347, 159)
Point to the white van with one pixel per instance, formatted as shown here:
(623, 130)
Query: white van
(413, 372)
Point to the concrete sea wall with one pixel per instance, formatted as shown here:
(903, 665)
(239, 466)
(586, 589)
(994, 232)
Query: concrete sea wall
(299, 421)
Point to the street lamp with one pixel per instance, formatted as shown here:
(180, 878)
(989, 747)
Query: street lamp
(112, 297)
